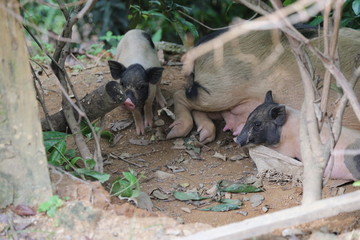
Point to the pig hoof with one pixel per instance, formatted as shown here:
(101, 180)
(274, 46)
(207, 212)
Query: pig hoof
(207, 135)
(148, 123)
(179, 129)
(140, 130)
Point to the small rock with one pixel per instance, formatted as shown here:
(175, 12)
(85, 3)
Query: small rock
(291, 232)
(228, 195)
(159, 123)
(250, 179)
(212, 190)
(258, 183)
(244, 213)
(184, 185)
(265, 209)
(256, 200)
(163, 175)
(341, 191)
(246, 199)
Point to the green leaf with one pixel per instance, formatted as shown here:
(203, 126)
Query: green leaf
(130, 177)
(101, 177)
(51, 205)
(221, 207)
(288, 2)
(157, 36)
(356, 184)
(316, 21)
(356, 7)
(107, 135)
(51, 138)
(186, 196)
(239, 188)
(90, 163)
(57, 154)
(122, 188)
(70, 153)
(232, 201)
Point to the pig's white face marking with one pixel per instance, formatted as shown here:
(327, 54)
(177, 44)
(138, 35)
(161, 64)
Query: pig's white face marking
(352, 162)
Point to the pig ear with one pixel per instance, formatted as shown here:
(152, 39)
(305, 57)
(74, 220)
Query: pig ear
(278, 114)
(268, 97)
(154, 74)
(116, 69)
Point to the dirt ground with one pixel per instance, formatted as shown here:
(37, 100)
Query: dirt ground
(176, 218)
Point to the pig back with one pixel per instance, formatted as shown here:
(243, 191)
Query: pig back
(252, 64)
(137, 47)
(241, 74)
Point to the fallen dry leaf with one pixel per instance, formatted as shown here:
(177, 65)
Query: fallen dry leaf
(220, 156)
(167, 112)
(120, 125)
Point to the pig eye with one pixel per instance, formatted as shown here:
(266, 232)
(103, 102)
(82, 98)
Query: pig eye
(257, 125)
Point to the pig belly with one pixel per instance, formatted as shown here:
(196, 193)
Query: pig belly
(338, 169)
(236, 117)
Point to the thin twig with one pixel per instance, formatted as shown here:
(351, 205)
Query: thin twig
(41, 98)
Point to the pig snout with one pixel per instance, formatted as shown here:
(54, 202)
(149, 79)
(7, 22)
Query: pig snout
(242, 140)
(128, 104)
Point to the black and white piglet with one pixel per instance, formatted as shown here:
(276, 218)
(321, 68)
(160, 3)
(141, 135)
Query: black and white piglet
(138, 69)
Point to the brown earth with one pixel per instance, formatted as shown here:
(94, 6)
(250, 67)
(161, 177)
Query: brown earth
(159, 155)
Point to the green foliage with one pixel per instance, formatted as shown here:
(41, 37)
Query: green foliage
(86, 131)
(51, 206)
(127, 186)
(356, 184)
(167, 11)
(111, 39)
(46, 17)
(350, 15)
(59, 155)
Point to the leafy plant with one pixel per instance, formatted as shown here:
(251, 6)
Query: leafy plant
(164, 10)
(51, 205)
(59, 155)
(127, 186)
(86, 131)
(111, 39)
(350, 16)
(95, 49)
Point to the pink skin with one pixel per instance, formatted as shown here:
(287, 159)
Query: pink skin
(128, 104)
(236, 117)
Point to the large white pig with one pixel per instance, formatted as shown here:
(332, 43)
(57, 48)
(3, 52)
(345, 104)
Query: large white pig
(233, 86)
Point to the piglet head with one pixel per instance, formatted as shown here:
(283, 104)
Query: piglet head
(134, 82)
(263, 125)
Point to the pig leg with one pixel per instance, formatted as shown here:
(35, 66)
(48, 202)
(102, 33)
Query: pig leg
(205, 127)
(183, 122)
(160, 98)
(345, 163)
(139, 124)
(148, 111)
